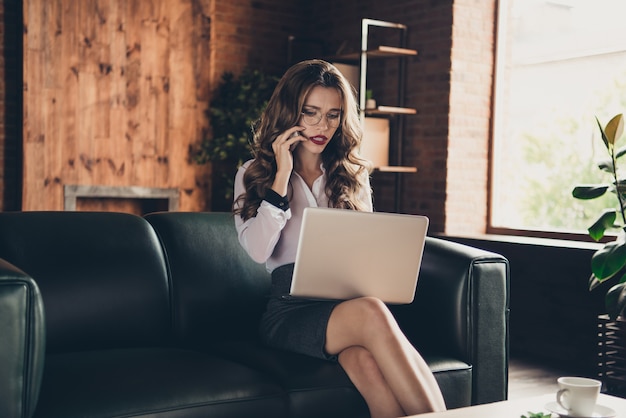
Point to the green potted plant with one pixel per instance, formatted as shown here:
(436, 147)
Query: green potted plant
(237, 103)
(609, 262)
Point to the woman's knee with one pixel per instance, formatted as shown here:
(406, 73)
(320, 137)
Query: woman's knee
(364, 321)
(374, 313)
(357, 359)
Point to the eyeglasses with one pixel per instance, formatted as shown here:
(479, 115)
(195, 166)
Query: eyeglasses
(313, 117)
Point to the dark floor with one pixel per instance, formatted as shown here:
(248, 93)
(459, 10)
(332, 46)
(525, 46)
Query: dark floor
(528, 378)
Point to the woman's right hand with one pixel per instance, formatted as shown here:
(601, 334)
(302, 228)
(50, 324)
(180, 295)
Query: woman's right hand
(283, 146)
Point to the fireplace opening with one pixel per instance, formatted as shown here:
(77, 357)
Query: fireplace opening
(131, 199)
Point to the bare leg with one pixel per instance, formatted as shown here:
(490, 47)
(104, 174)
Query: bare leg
(367, 378)
(368, 323)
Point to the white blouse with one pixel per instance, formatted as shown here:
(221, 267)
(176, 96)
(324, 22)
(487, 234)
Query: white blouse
(271, 237)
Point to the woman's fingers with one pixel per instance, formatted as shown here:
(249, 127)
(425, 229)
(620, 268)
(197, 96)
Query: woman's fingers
(282, 147)
(285, 141)
(290, 136)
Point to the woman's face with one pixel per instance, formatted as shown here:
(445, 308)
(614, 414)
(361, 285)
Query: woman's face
(321, 116)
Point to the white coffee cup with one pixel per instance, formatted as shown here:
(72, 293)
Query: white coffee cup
(578, 395)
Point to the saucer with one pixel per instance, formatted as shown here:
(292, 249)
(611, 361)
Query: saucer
(598, 412)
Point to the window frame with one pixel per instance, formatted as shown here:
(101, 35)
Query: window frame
(502, 9)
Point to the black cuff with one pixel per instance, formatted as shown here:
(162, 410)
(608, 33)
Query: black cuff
(277, 200)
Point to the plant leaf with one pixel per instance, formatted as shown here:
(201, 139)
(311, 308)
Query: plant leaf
(606, 165)
(604, 222)
(615, 300)
(615, 128)
(536, 415)
(593, 282)
(604, 137)
(620, 152)
(609, 260)
(590, 191)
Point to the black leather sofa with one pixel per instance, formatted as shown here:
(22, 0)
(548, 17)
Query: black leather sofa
(115, 315)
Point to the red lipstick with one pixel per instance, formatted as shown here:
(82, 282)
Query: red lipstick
(318, 139)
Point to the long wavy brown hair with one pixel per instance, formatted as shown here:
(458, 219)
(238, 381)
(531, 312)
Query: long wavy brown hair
(346, 170)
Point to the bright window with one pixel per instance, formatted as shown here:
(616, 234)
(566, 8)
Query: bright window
(560, 64)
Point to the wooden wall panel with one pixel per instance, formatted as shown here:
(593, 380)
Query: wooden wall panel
(115, 93)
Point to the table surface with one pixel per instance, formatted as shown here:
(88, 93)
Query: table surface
(518, 407)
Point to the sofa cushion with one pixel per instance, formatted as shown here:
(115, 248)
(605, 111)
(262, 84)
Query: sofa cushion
(316, 388)
(454, 378)
(218, 292)
(154, 382)
(102, 276)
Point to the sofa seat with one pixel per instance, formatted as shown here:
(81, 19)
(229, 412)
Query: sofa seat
(314, 385)
(154, 382)
(315, 388)
(454, 378)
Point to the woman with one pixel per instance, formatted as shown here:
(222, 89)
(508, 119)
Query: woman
(306, 154)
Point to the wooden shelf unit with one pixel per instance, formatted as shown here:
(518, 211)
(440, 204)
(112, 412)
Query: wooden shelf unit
(397, 111)
(396, 169)
(382, 51)
(390, 110)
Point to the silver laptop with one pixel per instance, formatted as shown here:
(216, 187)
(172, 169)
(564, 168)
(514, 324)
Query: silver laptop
(343, 254)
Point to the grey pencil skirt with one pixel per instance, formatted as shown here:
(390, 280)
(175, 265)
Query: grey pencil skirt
(295, 324)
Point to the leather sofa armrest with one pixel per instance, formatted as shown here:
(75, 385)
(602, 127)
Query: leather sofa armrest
(22, 350)
(461, 310)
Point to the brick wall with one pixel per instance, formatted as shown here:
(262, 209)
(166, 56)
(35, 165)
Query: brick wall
(449, 83)
(427, 90)
(469, 122)
(252, 33)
